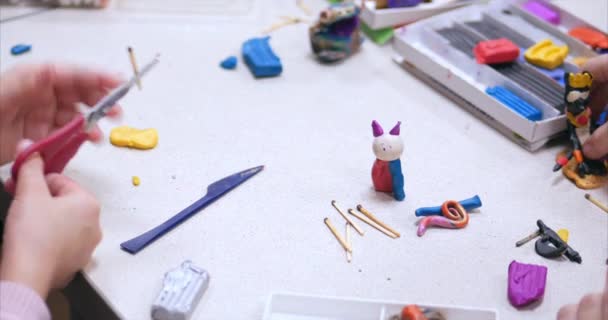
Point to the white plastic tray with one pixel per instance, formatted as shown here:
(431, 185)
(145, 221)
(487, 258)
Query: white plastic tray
(285, 306)
(434, 60)
(382, 18)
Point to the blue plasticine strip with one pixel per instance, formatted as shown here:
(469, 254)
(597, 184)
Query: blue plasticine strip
(468, 204)
(515, 103)
(260, 59)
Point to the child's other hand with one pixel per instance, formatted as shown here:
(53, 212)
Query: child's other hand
(591, 307)
(596, 146)
(51, 230)
(37, 99)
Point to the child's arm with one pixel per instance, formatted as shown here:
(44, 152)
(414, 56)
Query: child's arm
(596, 146)
(18, 302)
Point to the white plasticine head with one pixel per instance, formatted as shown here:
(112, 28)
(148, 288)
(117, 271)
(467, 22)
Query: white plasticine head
(388, 147)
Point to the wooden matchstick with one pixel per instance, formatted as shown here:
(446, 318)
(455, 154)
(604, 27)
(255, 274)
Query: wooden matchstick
(347, 218)
(349, 255)
(134, 65)
(303, 7)
(595, 202)
(374, 219)
(337, 235)
(371, 223)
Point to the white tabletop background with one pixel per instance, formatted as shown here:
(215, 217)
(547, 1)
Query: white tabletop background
(310, 127)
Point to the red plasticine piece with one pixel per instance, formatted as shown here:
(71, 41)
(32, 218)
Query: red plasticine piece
(589, 36)
(526, 283)
(496, 51)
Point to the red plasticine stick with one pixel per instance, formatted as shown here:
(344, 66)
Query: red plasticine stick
(454, 217)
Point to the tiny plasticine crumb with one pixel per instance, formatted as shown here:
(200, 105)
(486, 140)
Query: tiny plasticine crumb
(135, 180)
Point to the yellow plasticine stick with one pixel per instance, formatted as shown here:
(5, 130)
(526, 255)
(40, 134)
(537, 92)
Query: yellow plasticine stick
(546, 55)
(134, 138)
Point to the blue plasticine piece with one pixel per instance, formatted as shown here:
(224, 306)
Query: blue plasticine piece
(260, 59)
(398, 181)
(468, 204)
(515, 103)
(556, 74)
(229, 63)
(20, 49)
(602, 118)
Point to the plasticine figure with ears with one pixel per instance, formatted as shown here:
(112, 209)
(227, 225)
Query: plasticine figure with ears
(386, 172)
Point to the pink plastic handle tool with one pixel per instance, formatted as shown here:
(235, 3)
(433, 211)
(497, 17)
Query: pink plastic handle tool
(61, 146)
(56, 150)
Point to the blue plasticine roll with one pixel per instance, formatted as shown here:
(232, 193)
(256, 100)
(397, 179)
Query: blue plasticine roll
(468, 204)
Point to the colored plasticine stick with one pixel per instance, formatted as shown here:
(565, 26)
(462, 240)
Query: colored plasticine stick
(467, 204)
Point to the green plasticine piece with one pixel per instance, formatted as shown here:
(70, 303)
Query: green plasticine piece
(378, 36)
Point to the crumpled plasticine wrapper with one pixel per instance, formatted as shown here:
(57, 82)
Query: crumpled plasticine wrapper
(526, 283)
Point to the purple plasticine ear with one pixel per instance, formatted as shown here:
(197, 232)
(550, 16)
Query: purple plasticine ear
(377, 129)
(395, 131)
(526, 283)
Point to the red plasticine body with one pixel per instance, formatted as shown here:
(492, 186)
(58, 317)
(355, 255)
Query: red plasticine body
(496, 51)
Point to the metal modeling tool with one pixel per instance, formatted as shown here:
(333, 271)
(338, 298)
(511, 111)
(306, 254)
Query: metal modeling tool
(596, 202)
(60, 146)
(550, 244)
(214, 191)
(336, 234)
(377, 221)
(134, 65)
(371, 223)
(349, 220)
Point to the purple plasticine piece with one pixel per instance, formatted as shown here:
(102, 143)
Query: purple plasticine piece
(345, 27)
(543, 11)
(403, 3)
(526, 283)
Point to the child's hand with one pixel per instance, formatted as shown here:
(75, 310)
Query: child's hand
(51, 230)
(591, 307)
(37, 99)
(597, 145)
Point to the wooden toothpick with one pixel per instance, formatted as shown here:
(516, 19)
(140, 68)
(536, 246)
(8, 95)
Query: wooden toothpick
(347, 218)
(286, 21)
(337, 235)
(303, 7)
(596, 202)
(349, 255)
(376, 220)
(134, 65)
(371, 223)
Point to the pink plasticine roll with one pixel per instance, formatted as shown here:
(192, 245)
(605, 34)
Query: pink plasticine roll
(526, 283)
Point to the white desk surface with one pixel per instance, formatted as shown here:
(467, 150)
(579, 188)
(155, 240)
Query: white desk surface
(311, 128)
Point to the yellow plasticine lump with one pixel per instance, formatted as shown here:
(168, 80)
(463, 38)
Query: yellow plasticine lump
(563, 234)
(142, 139)
(546, 55)
(135, 180)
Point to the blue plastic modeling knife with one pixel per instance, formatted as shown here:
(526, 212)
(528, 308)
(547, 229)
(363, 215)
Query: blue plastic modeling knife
(214, 191)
